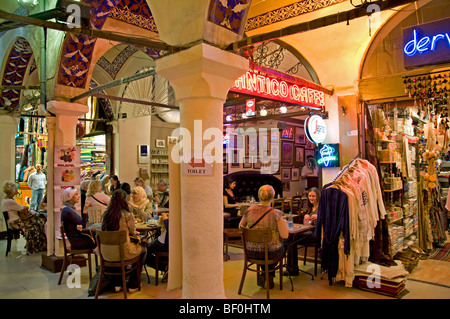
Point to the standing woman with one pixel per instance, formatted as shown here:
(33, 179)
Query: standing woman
(229, 199)
(139, 204)
(74, 225)
(32, 226)
(114, 183)
(118, 217)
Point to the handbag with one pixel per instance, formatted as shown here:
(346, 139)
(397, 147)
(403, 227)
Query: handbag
(25, 215)
(135, 239)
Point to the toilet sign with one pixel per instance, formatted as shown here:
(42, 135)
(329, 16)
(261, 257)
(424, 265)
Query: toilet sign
(197, 166)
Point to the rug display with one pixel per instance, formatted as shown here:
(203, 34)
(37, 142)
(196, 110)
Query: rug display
(442, 253)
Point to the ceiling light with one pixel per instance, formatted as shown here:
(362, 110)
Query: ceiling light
(228, 118)
(283, 109)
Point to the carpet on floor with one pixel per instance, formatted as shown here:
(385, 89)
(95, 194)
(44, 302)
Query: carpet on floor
(442, 253)
(432, 271)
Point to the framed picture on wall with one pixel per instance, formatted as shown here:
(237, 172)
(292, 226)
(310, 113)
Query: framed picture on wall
(160, 143)
(256, 163)
(310, 145)
(300, 137)
(225, 164)
(299, 156)
(286, 153)
(309, 153)
(295, 174)
(247, 162)
(286, 173)
(235, 159)
(286, 186)
(275, 167)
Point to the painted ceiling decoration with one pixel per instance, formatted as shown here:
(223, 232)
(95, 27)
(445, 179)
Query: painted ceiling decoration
(15, 71)
(77, 50)
(287, 12)
(230, 14)
(135, 12)
(107, 107)
(112, 68)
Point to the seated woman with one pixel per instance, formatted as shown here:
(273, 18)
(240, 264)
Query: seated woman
(139, 204)
(272, 219)
(148, 190)
(95, 196)
(32, 227)
(230, 207)
(308, 236)
(159, 244)
(74, 225)
(118, 217)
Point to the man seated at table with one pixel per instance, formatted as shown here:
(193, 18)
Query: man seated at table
(162, 195)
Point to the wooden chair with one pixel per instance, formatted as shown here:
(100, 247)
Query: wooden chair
(10, 233)
(161, 261)
(69, 255)
(116, 238)
(296, 205)
(317, 252)
(229, 233)
(278, 203)
(95, 214)
(262, 236)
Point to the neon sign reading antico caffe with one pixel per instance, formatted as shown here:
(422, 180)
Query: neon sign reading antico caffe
(278, 89)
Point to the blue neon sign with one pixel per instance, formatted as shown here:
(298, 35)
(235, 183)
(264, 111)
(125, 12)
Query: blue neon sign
(423, 45)
(427, 44)
(328, 155)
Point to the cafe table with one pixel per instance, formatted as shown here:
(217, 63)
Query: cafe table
(161, 210)
(148, 228)
(295, 235)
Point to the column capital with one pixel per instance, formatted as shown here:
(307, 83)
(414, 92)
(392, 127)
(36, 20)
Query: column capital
(67, 108)
(203, 71)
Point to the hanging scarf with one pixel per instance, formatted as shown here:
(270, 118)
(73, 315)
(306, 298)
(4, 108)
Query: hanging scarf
(141, 200)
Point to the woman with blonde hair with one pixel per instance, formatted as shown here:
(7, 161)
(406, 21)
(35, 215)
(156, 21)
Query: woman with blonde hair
(32, 225)
(263, 216)
(95, 196)
(139, 204)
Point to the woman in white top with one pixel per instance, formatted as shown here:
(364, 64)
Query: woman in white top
(32, 226)
(95, 198)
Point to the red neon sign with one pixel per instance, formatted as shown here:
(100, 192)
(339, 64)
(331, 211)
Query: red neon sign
(277, 89)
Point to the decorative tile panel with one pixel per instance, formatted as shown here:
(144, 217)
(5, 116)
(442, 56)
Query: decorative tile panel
(287, 12)
(15, 70)
(229, 13)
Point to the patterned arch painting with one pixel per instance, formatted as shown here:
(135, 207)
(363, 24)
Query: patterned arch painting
(77, 50)
(15, 71)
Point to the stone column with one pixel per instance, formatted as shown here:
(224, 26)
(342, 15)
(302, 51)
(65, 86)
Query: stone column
(8, 130)
(67, 115)
(201, 77)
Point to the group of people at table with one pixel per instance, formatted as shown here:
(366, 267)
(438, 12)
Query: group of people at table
(121, 211)
(274, 220)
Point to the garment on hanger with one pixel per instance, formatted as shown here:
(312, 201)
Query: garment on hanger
(347, 247)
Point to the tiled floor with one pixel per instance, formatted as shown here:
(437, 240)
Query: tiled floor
(21, 276)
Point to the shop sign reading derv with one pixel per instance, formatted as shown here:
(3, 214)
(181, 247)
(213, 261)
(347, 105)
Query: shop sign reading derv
(426, 44)
(277, 88)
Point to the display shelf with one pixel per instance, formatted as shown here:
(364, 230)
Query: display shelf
(93, 153)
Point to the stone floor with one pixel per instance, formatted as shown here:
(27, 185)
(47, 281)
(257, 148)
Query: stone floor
(22, 277)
